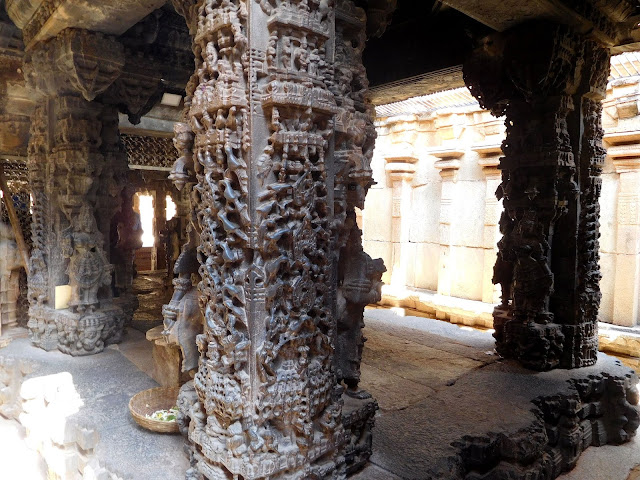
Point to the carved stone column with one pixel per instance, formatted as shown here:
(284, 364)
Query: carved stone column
(283, 272)
(75, 192)
(115, 205)
(549, 82)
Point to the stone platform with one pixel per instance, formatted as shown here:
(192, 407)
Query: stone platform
(447, 405)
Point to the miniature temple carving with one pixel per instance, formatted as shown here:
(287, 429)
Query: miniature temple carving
(279, 139)
(549, 82)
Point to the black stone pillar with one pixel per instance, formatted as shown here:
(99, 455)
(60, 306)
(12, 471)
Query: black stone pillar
(549, 82)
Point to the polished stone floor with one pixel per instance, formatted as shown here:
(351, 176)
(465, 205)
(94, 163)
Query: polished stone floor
(425, 374)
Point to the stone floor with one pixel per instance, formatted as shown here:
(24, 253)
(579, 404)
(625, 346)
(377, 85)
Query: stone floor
(425, 374)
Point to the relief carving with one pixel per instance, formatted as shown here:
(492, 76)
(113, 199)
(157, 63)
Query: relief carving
(547, 318)
(260, 116)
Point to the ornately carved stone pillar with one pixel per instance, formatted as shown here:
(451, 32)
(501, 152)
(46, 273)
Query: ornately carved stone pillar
(75, 192)
(284, 278)
(549, 82)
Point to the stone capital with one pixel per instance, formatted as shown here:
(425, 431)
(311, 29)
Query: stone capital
(75, 61)
(135, 91)
(489, 158)
(448, 168)
(401, 167)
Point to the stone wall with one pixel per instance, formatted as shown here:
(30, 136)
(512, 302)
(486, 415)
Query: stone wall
(433, 215)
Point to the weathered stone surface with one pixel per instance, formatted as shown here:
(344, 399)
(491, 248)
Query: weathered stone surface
(98, 438)
(462, 432)
(548, 257)
(44, 19)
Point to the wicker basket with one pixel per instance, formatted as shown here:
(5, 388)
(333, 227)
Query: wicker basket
(150, 401)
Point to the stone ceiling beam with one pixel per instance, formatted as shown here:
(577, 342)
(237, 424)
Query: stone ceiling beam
(607, 22)
(44, 19)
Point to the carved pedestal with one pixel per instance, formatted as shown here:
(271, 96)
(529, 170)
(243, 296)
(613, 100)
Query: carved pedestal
(549, 82)
(284, 277)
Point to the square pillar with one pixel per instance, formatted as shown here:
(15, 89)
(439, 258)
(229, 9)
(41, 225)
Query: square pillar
(489, 161)
(626, 308)
(448, 171)
(279, 136)
(549, 82)
(400, 172)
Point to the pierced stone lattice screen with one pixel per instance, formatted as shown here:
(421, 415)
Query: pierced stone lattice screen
(146, 151)
(16, 173)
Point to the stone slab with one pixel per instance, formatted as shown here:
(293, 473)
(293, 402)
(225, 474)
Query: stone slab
(608, 462)
(105, 383)
(417, 443)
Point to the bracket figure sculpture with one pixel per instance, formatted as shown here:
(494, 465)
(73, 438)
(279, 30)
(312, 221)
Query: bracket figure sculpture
(279, 146)
(183, 320)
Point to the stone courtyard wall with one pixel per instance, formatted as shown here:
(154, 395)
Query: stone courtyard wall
(433, 215)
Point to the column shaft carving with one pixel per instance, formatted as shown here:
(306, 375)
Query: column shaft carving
(75, 167)
(284, 277)
(548, 257)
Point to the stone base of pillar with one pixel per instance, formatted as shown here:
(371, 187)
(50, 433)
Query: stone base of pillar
(358, 418)
(543, 346)
(346, 453)
(75, 333)
(574, 409)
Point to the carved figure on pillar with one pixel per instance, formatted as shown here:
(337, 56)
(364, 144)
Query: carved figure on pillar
(359, 277)
(548, 81)
(360, 281)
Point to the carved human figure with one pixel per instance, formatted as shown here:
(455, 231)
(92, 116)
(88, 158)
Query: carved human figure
(361, 279)
(88, 268)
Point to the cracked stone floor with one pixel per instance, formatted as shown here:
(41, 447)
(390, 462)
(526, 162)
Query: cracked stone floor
(418, 369)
